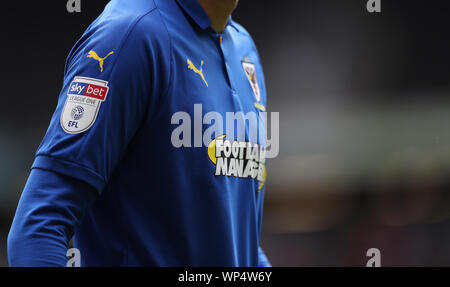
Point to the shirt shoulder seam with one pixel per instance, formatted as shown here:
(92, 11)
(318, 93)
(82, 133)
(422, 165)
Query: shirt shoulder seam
(122, 44)
(126, 37)
(170, 49)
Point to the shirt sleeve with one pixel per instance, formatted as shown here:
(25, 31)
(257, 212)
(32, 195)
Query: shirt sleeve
(113, 78)
(263, 261)
(50, 207)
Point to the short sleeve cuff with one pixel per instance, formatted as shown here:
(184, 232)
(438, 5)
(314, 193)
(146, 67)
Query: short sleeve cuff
(71, 169)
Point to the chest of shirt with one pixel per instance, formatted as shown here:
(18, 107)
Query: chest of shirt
(218, 75)
(215, 71)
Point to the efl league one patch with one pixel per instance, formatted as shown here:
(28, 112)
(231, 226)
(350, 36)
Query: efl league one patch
(84, 98)
(250, 71)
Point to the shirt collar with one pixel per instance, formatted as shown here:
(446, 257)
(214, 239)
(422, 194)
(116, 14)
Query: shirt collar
(196, 12)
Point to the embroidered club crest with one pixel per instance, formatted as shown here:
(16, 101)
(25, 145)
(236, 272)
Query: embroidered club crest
(250, 72)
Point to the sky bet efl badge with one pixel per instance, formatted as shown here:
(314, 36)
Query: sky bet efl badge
(84, 97)
(250, 71)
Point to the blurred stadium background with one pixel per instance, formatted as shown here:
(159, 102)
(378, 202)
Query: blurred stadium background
(364, 108)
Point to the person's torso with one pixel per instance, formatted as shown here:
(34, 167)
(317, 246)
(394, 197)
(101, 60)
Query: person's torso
(172, 205)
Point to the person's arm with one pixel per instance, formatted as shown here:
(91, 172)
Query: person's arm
(50, 207)
(262, 259)
(100, 109)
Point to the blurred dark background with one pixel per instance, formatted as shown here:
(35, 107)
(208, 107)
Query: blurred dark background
(364, 107)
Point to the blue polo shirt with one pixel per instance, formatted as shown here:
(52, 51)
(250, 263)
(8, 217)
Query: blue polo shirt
(139, 65)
